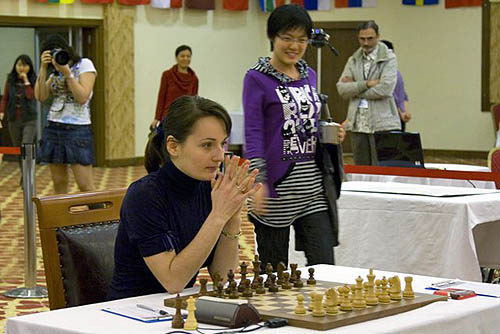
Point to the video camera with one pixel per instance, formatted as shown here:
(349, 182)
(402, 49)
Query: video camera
(320, 38)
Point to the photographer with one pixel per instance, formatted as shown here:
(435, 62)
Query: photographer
(67, 139)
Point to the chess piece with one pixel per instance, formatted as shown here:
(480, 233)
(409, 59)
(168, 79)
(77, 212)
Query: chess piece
(311, 280)
(384, 297)
(298, 281)
(269, 271)
(256, 271)
(293, 269)
(345, 304)
(177, 320)
(331, 301)
(220, 290)
(203, 287)
(260, 290)
(378, 291)
(370, 296)
(215, 279)
(358, 302)
(286, 281)
(191, 324)
(233, 294)
(281, 269)
(273, 287)
(230, 279)
(395, 291)
(311, 301)
(408, 292)
(300, 309)
(243, 272)
(318, 310)
(247, 290)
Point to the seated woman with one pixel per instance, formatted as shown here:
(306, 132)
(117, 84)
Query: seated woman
(186, 214)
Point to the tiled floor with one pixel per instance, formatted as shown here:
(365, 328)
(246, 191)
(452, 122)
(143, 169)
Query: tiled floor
(12, 228)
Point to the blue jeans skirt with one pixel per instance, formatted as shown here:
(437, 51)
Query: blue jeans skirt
(67, 144)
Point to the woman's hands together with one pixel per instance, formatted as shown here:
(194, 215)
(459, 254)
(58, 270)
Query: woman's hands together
(229, 191)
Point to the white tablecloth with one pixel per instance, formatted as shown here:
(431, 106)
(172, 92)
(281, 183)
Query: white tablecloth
(469, 316)
(437, 236)
(431, 181)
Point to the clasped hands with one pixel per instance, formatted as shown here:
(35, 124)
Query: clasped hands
(231, 189)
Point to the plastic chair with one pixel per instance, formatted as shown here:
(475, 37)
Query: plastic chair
(78, 234)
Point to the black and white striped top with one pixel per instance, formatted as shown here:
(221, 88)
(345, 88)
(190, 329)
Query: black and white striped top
(301, 193)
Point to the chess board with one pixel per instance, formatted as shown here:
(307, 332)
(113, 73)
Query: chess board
(282, 304)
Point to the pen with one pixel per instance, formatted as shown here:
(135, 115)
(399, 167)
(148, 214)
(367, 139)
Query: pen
(152, 309)
(445, 283)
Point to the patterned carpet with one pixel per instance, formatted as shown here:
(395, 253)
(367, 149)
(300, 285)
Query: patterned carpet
(12, 228)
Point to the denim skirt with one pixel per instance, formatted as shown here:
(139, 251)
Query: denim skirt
(67, 144)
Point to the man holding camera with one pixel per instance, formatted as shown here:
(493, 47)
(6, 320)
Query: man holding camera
(368, 81)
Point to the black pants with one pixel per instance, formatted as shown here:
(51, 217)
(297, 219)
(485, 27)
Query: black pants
(316, 231)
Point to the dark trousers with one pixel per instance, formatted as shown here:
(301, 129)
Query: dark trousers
(22, 133)
(363, 149)
(316, 231)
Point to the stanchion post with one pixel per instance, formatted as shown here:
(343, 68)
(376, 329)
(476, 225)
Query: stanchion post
(30, 290)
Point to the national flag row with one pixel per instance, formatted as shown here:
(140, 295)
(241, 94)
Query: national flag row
(270, 5)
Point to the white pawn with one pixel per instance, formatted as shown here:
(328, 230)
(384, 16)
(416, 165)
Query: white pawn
(191, 324)
(300, 309)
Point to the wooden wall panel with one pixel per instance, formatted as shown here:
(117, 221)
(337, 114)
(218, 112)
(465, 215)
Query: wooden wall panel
(119, 76)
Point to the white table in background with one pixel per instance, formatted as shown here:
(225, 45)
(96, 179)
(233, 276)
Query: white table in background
(431, 181)
(437, 236)
(470, 316)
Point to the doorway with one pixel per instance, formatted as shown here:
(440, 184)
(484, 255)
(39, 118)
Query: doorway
(86, 37)
(344, 37)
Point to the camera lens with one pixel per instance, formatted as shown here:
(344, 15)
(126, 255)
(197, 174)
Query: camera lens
(60, 56)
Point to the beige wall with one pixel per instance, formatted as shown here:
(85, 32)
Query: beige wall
(225, 44)
(439, 54)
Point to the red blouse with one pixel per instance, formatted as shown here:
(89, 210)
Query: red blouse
(174, 84)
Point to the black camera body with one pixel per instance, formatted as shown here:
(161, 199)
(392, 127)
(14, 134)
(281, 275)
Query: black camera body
(319, 38)
(61, 56)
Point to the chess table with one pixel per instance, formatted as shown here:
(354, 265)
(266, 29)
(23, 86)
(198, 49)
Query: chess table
(472, 315)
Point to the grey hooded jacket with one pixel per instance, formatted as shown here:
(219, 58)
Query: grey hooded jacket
(382, 108)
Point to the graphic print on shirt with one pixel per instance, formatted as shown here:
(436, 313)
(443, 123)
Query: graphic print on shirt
(300, 107)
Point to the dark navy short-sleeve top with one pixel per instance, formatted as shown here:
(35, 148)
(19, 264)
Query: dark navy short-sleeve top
(162, 211)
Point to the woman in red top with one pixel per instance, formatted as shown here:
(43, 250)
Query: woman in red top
(178, 81)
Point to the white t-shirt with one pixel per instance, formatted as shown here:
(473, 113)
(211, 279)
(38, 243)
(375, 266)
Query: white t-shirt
(64, 108)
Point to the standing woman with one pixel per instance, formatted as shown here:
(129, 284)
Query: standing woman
(178, 81)
(67, 139)
(19, 103)
(281, 108)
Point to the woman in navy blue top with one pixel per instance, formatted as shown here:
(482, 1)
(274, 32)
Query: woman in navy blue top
(184, 215)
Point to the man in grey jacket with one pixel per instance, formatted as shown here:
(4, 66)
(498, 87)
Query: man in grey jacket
(368, 80)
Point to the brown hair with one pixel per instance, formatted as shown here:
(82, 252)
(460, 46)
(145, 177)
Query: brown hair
(179, 122)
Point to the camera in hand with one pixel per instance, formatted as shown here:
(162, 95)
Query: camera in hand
(61, 56)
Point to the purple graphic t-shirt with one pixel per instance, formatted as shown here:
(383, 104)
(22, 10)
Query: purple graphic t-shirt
(281, 131)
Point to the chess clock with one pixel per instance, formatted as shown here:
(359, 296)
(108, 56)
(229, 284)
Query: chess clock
(231, 313)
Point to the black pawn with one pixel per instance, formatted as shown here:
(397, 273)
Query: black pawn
(273, 287)
(311, 280)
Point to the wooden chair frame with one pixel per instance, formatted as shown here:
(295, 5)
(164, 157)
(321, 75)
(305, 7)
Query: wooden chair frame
(55, 212)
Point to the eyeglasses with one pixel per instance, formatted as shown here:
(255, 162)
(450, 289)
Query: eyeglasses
(288, 39)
